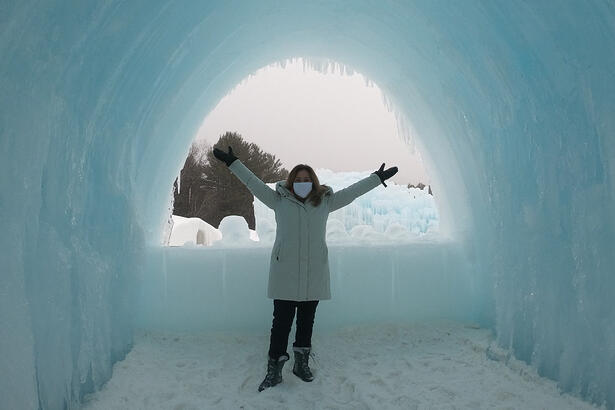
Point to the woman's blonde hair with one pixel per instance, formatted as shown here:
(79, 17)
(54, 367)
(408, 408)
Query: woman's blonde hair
(317, 192)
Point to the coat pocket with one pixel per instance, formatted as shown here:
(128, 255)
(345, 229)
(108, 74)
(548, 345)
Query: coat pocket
(276, 251)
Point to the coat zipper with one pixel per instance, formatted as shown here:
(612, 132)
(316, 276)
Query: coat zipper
(307, 268)
(299, 256)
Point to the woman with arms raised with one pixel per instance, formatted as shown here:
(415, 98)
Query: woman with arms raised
(299, 265)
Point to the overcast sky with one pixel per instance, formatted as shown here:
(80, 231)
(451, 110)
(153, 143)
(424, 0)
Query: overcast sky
(330, 121)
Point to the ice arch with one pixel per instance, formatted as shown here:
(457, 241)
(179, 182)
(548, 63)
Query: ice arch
(513, 103)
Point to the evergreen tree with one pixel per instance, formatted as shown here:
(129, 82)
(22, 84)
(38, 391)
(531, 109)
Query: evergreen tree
(189, 195)
(207, 188)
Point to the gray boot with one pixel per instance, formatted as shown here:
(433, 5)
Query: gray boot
(274, 372)
(301, 368)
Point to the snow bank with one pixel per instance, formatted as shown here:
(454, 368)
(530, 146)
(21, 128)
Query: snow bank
(232, 232)
(192, 231)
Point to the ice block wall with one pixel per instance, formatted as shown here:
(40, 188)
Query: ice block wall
(510, 102)
(188, 289)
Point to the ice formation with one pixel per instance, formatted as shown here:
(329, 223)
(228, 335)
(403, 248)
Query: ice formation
(395, 215)
(392, 214)
(511, 105)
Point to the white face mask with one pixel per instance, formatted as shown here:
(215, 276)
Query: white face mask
(302, 188)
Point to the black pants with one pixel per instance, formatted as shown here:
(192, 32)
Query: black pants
(283, 315)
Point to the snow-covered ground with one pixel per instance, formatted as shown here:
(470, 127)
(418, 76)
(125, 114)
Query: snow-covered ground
(438, 366)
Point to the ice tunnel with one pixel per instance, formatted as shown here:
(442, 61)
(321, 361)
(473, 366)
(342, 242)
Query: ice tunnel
(512, 102)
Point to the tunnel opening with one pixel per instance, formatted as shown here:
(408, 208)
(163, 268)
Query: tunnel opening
(321, 113)
(389, 239)
(513, 101)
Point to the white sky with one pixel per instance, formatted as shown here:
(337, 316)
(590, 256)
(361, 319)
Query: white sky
(329, 120)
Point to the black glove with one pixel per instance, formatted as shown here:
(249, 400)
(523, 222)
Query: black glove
(228, 158)
(385, 174)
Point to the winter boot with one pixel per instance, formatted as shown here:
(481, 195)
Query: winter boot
(274, 372)
(301, 368)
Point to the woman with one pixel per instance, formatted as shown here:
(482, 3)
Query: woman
(299, 266)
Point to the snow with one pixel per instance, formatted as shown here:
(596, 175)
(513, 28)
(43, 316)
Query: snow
(192, 231)
(232, 232)
(440, 365)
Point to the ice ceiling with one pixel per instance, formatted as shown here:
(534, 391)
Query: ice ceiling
(512, 102)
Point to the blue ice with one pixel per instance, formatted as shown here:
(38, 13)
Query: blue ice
(512, 105)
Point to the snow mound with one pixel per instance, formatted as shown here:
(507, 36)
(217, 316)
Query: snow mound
(192, 232)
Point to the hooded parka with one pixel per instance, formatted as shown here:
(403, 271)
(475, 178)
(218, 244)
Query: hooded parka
(299, 263)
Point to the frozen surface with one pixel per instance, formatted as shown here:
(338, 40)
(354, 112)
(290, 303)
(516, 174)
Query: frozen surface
(510, 104)
(392, 214)
(437, 366)
(195, 289)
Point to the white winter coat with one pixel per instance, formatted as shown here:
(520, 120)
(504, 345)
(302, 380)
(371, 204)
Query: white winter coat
(299, 263)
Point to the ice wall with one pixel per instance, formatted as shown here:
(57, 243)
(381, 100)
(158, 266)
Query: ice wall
(191, 289)
(510, 102)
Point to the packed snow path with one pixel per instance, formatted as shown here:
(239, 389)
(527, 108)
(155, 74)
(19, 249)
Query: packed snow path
(444, 366)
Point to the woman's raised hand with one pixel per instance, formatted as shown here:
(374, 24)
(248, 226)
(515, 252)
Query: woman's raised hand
(226, 157)
(385, 173)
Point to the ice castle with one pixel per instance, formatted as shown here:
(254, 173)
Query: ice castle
(513, 106)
